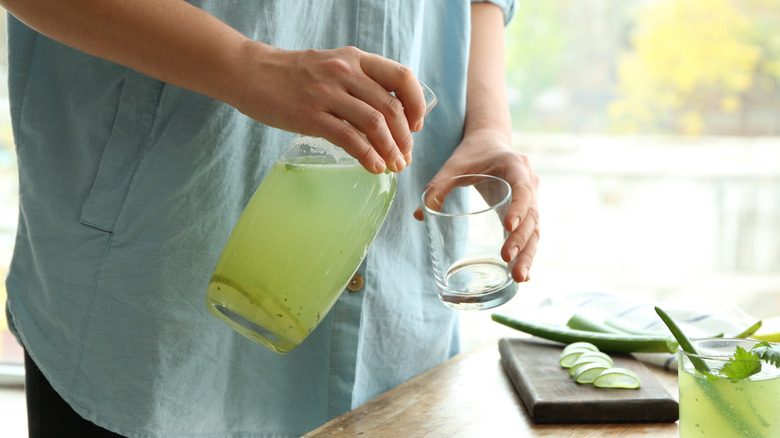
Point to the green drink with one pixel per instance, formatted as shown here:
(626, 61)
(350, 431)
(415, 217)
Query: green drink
(296, 246)
(717, 406)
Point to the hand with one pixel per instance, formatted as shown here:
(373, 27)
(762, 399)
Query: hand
(308, 91)
(313, 92)
(487, 152)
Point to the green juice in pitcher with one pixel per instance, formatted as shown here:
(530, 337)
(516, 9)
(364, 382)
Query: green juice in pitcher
(296, 246)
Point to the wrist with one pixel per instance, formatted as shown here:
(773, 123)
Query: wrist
(250, 63)
(488, 135)
(495, 125)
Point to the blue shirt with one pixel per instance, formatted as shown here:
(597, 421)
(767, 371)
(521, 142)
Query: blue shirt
(129, 188)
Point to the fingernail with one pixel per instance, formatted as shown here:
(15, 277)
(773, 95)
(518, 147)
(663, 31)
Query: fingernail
(380, 167)
(419, 126)
(515, 223)
(408, 158)
(526, 275)
(400, 163)
(513, 253)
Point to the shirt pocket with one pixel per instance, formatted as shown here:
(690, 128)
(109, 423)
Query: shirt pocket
(136, 114)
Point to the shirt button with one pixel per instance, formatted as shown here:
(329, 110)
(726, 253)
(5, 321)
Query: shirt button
(356, 283)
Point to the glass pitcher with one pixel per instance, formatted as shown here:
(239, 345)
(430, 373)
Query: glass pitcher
(299, 241)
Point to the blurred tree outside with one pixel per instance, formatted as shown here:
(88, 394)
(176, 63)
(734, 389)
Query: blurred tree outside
(701, 67)
(670, 67)
(535, 35)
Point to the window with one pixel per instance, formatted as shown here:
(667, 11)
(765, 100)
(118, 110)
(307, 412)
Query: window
(654, 126)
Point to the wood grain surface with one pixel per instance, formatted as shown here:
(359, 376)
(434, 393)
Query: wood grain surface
(552, 396)
(470, 396)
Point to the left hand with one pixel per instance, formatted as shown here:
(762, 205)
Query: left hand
(489, 152)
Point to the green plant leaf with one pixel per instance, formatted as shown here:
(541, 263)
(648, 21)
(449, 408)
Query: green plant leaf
(742, 365)
(768, 352)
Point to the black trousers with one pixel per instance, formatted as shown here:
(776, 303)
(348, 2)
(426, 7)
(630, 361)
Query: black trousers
(48, 415)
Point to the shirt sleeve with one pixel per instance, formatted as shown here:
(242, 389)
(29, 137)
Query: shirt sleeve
(509, 7)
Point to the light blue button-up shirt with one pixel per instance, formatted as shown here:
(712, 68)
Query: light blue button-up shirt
(129, 188)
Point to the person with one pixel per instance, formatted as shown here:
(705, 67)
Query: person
(143, 128)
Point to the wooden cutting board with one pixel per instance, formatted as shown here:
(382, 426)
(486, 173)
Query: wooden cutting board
(552, 397)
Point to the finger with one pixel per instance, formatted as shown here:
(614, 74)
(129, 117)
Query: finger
(350, 139)
(373, 124)
(517, 240)
(399, 79)
(386, 126)
(437, 190)
(418, 214)
(520, 245)
(522, 267)
(358, 106)
(524, 191)
(392, 110)
(415, 113)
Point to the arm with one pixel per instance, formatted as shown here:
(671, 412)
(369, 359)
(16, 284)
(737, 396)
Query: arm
(309, 92)
(486, 102)
(487, 138)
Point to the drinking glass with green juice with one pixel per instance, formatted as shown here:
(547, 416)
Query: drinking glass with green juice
(731, 388)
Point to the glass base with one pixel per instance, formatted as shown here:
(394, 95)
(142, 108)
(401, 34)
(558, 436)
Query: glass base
(478, 300)
(228, 308)
(251, 330)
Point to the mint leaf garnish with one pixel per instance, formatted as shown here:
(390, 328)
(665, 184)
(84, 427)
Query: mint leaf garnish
(712, 377)
(742, 365)
(768, 352)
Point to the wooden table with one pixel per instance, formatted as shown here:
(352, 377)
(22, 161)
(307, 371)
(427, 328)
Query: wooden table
(471, 396)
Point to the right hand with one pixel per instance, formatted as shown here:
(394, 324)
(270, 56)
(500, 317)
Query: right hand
(310, 92)
(313, 92)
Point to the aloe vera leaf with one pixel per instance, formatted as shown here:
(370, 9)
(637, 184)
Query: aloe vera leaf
(684, 342)
(623, 327)
(579, 321)
(604, 341)
(750, 330)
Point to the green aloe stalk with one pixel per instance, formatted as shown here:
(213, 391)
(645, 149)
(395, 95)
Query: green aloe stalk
(685, 343)
(702, 367)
